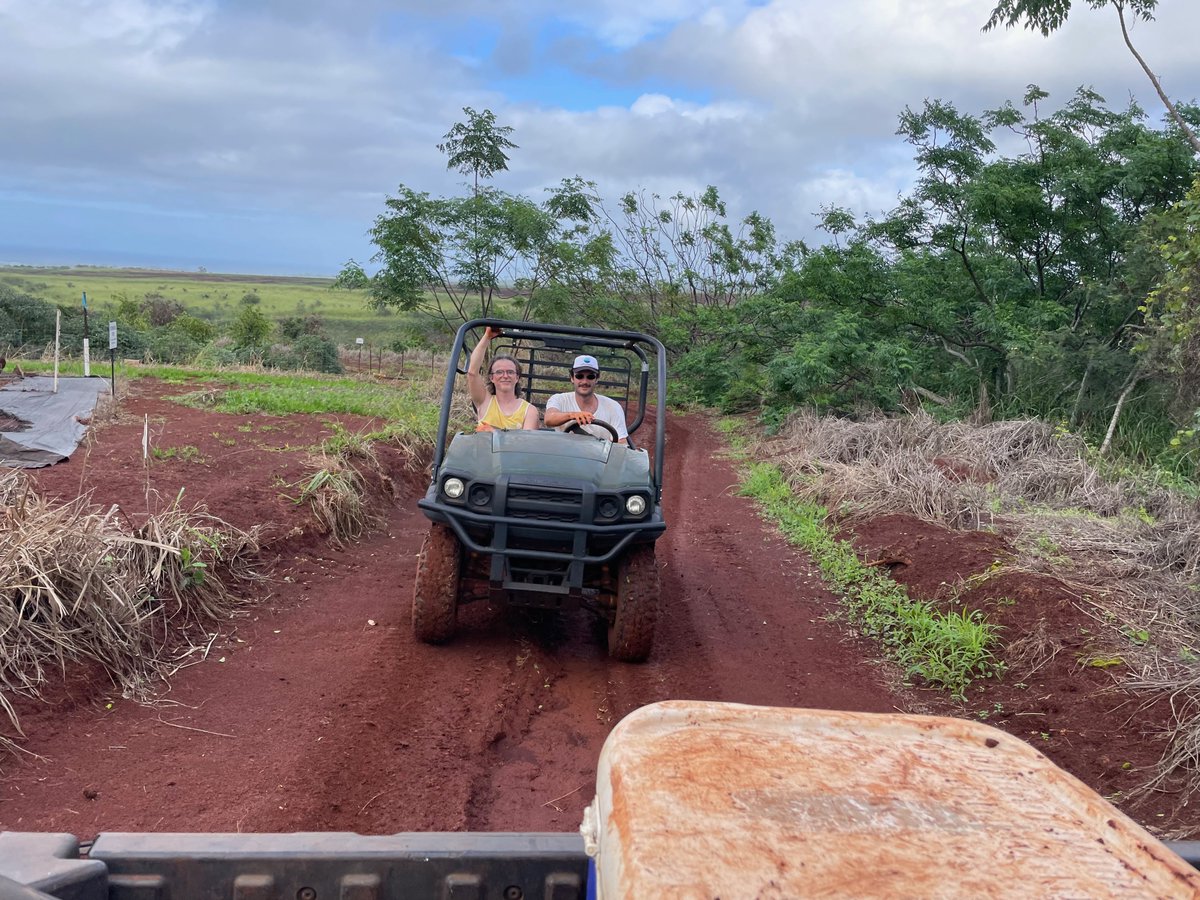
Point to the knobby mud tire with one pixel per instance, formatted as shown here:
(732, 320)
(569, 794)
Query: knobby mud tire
(435, 592)
(631, 635)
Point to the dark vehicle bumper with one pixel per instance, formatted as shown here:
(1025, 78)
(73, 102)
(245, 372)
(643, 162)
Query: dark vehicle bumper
(544, 562)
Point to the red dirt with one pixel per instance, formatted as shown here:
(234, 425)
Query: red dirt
(307, 717)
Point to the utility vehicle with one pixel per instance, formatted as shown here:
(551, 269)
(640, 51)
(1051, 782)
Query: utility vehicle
(549, 519)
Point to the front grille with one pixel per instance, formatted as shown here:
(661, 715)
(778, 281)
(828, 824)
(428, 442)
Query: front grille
(544, 504)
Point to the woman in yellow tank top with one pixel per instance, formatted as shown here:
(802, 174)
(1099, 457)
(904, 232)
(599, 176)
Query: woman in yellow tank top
(496, 402)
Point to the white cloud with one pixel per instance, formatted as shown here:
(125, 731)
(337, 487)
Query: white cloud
(132, 24)
(314, 111)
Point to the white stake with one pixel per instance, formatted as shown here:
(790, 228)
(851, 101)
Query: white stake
(57, 334)
(146, 437)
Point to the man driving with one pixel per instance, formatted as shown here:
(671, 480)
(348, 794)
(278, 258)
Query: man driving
(584, 407)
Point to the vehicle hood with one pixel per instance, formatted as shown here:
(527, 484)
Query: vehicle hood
(546, 454)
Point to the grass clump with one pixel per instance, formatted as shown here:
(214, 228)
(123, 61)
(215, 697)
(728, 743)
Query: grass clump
(78, 585)
(947, 649)
(336, 493)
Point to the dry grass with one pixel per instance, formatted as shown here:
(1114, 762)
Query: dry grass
(1129, 551)
(79, 586)
(1032, 650)
(337, 489)
(337, 495)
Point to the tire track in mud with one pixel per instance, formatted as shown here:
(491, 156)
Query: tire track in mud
(412, 725)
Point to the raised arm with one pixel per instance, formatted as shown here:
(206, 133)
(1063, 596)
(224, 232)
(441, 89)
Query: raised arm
(476, 381)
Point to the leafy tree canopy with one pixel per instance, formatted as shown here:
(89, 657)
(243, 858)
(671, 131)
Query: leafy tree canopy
(1047, 16)
(476, 147)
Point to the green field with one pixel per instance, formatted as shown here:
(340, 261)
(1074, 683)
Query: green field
(211, 296)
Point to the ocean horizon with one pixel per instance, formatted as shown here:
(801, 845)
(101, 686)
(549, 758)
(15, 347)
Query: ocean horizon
(14, 256)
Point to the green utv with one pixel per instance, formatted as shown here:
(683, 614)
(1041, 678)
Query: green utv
(550, 519)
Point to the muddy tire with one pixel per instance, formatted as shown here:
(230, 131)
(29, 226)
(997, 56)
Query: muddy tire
(435, 592)
(631, 634)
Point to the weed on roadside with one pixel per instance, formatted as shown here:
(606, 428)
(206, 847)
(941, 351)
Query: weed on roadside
(947, 649)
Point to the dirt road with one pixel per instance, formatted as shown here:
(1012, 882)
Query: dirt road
(309, 717)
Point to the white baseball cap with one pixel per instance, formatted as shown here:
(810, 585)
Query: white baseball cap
(586, 362)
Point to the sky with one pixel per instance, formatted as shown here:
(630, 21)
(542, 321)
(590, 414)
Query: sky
(263, 136)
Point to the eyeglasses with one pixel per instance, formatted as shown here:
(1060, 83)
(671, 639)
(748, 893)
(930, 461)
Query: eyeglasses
(509, 373)
(586, 376)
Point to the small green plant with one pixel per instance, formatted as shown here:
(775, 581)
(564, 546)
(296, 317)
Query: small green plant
(1139, 636)
(984, 714)
(191, 568)
(187, 453)
(1045, 547)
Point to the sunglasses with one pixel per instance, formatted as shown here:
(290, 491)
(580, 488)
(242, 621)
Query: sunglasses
(586, 376)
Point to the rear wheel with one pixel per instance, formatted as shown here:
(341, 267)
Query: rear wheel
(435, 593)
(631, 634)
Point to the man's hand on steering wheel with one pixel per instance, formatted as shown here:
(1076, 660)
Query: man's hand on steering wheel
(576, 427)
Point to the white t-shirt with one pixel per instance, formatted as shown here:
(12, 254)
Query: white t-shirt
(607, 410)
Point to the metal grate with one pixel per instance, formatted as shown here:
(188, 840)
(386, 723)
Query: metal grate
(546, 504)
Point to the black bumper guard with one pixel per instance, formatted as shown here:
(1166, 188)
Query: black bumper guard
(579, 532)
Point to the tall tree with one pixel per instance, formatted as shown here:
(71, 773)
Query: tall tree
(1047, 16)
(450, 256)
(476, 147)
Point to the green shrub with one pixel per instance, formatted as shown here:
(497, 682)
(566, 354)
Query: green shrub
(309, 352)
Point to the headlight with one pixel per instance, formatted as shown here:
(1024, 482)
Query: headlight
(635, 505)
(481, 495)
(453, 487)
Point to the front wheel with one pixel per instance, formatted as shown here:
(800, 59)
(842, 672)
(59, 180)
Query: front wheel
(435, 592)
(631, 634)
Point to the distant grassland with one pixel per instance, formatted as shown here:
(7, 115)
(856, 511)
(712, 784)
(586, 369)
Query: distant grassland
(211, 296)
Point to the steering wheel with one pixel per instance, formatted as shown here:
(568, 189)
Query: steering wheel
(576, 428)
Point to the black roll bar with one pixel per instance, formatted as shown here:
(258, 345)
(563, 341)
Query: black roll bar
(596, 337)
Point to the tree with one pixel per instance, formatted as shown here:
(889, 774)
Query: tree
(352, 278)
(476, 147)
(450, 256)
(1170, 342)
(251, 328)
(1003, 261)
(295, 327)
(160, 310)
(130, 312)
(24, 319)
(1047, 16)
(659, 256)
(197, 329)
